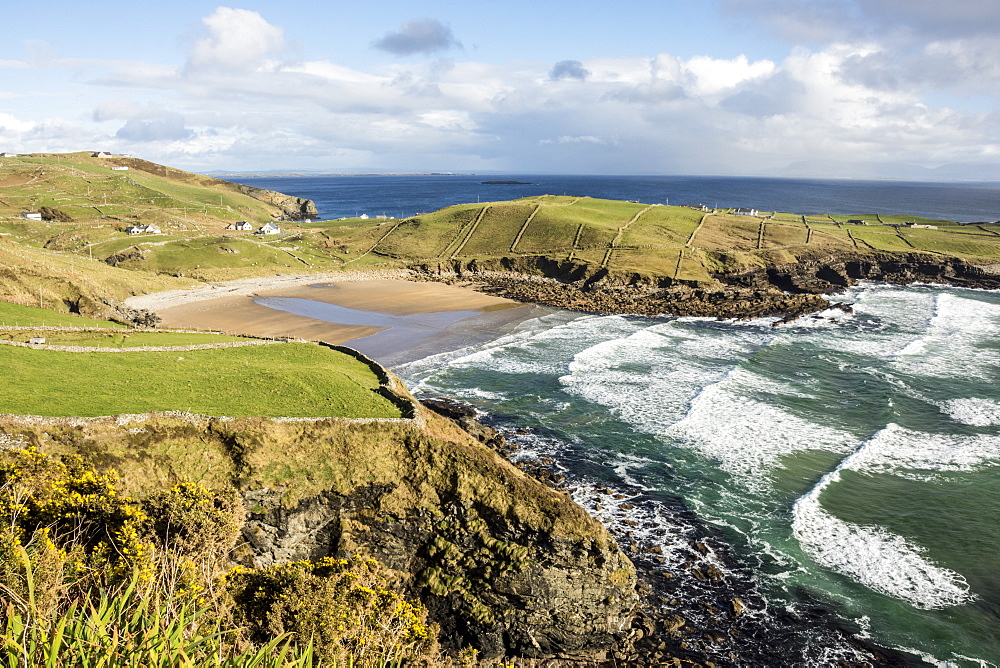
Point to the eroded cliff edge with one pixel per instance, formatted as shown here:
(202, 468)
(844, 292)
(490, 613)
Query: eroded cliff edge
(786, 289)
(504, 564)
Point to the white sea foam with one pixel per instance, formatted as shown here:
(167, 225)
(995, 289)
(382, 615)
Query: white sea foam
(896, 450)
(952, 343)
(973, 411)
(648, 378)
(749, 437)
(880, 560)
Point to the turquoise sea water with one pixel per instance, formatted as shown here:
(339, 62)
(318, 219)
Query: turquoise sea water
(849, 460)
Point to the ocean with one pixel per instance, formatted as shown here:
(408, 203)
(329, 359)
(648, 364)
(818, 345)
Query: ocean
(847, 461)
(401, 196)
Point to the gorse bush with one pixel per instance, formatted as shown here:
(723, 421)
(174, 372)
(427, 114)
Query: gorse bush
(345, 605)
(91, 577)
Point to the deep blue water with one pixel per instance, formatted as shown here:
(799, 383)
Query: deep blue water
(402, 196)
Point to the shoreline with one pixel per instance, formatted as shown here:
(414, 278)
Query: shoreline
(381, 314)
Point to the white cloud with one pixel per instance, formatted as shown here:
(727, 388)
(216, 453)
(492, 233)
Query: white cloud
(238, 40)
(10, 124)
(235, 104)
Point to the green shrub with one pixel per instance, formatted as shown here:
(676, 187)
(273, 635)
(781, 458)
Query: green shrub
(344, 605)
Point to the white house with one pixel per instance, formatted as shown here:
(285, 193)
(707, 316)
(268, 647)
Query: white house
(269, 228)
(742, 211)
(142, 229)
(100, 154)
(119, 168)
(8, 155)
(31, 215)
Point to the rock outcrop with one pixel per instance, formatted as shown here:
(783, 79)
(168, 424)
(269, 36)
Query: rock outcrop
(295, 208)
(788, 290)
(503, 563)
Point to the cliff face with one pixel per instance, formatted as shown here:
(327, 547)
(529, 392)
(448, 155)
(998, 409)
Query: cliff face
(295, 208)
(789, 289)
(504, 563)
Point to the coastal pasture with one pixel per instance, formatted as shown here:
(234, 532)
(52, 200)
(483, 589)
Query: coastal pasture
(605, 211)
(281, 380)
(882, 238)
(962, 245)
(548, 234)
(900, 219)
(658, 263)
(121, 339)
(17, 315)
(663, 226)
(827, 234)
(728, 232)
(784, 217)
(821, 218)
(554, 227)
(120, 242)
(869, 218)
(779, 235)
(497, 230)
(693, 265)
(432, 235)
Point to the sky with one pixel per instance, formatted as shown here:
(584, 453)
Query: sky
(817, 88)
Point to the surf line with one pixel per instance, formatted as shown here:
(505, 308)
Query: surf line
(880, 560)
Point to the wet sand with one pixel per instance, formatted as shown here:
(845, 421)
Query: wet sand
(390, 319)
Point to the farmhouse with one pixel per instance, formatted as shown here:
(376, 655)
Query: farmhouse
(8, 155)
(920, 227)
(856, 221)
(745, 212)
(100, 154)
(119, 168)
(269, 228)
(142, 229)
(31, 215)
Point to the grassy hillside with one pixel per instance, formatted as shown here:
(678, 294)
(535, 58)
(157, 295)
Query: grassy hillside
(82, 260)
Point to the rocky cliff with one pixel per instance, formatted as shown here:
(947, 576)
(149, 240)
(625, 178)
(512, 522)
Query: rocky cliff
(505, 564)
(788, 290)
(295, 208)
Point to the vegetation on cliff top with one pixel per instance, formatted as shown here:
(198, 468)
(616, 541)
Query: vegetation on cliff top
(93, 577)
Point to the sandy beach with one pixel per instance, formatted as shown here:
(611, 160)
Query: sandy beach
(382, 314)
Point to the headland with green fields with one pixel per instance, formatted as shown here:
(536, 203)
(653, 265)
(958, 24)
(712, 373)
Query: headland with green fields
(575, 252)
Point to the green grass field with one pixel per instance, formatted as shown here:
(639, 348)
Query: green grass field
(117, 339)
(281, 380)
(17, 315)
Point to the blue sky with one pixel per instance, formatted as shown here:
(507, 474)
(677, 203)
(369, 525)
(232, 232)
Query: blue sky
(846, 88)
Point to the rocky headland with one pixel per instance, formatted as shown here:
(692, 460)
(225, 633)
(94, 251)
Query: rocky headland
(787, 290)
